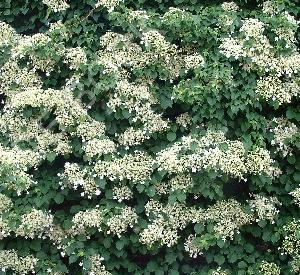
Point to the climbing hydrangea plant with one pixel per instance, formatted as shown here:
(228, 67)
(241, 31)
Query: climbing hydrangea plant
(149, 137)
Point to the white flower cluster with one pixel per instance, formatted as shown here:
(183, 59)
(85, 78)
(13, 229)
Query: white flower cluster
(283, 130)
(154, 41)
(26, 158)
(190, 247)
(137, 15)
(98, 147)
(4, 228)
(271, 87)
(10, 260)
(118, 224)
(137, 99)
(97, 268)
(118, 51)
(159, 231)
(165, 222)
(252, 27)
(122, 193)
(90, 129)
(132, 137)
(86, 219)
(264, 58)
(75, 57)
(30, 45)
(219, 271)
(259, 161)
(288, 33)
(14, 170)
(5, 203)
(228, 17)
(184, 120)
(48, 142)
(230, 6)
(268, 7)
(56, 5)
(109, 4)
(267, 268)
(193, 61)
(229, 217)
(209, 154)
(136, 167)
(291, 244)
(8, 35)
(19, 128)
(296, 194)
(230, 47)
(264, 207)
(74, 177)
(35, 223)
(68, 110)
(14, 78)
(182, 182)
(174, 14)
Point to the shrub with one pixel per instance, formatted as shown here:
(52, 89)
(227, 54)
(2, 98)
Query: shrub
(149, 137)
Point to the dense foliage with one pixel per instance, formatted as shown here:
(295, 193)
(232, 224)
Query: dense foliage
(149, 137)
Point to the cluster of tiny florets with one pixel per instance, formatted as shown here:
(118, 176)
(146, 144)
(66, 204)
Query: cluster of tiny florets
(75, 57)
(35, 223)
(8, 35)
(86, 219)
(230, 6)
(74, 176)
(165, 223)
(192, 248)
(56, 5)
(109, 4)
(296, 194)
(182, 182)
(233, 160)
(98, 147)
(291, 244)
(5, 203)
(97, 267)
(121, 193)
(135, 167)
(267, 268)
(229, 217)
(10, 260)
(283, 131)
(264, 207)
(271, 87)
(119, 223)
(263, 57)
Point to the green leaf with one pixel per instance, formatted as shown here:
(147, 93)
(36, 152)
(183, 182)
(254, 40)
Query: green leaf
(291, 159)
(219, 259)
(119, 244)
(296, 176)
(151, 191)
(72, 259)
(51, 156)
(59, 198)
(140, 187)
(35, 245)
(171, 136)
(199, 228)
